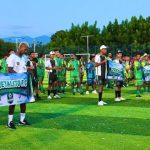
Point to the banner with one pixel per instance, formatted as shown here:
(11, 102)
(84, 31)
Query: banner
(15, 88)
(146, 72)
(115, 71)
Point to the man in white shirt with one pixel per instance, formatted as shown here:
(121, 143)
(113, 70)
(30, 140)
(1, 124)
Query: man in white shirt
(101, 72)
(52, 76)
(17, 64)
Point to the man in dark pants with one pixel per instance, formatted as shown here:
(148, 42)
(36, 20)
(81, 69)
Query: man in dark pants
(17, 64)
(101, 72)
(52, 76)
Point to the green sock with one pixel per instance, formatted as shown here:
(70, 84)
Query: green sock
(144, 89)
(138, 92)
(148, 88)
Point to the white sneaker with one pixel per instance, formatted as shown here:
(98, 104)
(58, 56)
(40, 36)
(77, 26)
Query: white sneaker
(104, 103)
(57, 96)
(122, 99)
(49, 97)
(117, 99)
(100, 103)
(94, 92)
(87, 92)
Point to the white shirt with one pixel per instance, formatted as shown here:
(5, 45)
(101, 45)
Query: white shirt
(48, 64)
(98, 69)
(17, 63)
(116, 61)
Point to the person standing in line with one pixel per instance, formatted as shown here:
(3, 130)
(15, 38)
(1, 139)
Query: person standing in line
(118, 83)
(101, 72)
(17, 64)
(138, 75)
(52, 76)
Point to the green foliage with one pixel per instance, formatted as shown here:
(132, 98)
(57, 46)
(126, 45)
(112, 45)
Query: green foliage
(5, 46)
(129, 35)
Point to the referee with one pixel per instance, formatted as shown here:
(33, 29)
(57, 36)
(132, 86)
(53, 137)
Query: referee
(101, 72)
(17, 64)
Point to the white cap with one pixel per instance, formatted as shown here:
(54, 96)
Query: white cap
(52, 53)
(145, 55)
(23, 43)
(103, 47)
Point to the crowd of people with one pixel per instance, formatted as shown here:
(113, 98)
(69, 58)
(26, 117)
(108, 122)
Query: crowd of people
(56, 67)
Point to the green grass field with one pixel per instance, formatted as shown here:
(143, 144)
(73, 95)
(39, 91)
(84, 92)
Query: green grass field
(77, 123)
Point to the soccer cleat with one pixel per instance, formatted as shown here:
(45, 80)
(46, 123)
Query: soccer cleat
(57, 96)
(117, 99)
(94, 92)
(24, 122)
(11, 125)
(49, 97)
(87, 92)
(100, 103)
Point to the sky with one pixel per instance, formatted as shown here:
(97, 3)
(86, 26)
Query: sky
(45, 17)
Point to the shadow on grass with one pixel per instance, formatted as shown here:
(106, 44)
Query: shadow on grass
(131, 126)
(72, 100)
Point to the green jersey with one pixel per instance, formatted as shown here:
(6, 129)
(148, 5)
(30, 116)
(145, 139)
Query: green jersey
(144, 63)
(41, 70)
(138, 74)
(76, 65)
(58, 61)
(3, 65)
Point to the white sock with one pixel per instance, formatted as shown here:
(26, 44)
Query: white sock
(10, 118)
(22, 116)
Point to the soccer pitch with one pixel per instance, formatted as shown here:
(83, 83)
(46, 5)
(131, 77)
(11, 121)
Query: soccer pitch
(77, 123)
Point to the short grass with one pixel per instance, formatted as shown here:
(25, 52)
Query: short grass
(77, 123)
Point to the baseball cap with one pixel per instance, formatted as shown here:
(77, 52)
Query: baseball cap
(119, 51)
(52, 53)
(145, 54)
(103, 47)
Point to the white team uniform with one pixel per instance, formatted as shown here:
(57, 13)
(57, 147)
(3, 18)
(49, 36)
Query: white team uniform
(48, 64)
(17, 63)
(98, 69)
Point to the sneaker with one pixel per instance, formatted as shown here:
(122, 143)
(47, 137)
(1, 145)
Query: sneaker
(24, 123)
(117, 99)
(49, 97)
(11, 125)
(100, 103)
(57, 96)
(122, 99)
(87, 92)
(94, 92)
(104, 103)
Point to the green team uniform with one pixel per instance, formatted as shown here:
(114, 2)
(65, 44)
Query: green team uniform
(146, 87)
(3, 66)
(74, 74)
(127, 71)
(59, 65)
(138, 75)
(41, 70)
(144, 63)
(62, 74)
